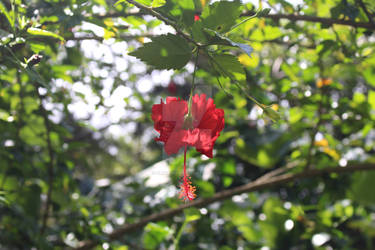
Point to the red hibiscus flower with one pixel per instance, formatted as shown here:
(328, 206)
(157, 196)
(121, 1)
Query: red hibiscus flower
(179, 127)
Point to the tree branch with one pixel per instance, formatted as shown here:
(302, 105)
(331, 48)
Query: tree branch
(315, 19)
(292, 17)
(258, 184)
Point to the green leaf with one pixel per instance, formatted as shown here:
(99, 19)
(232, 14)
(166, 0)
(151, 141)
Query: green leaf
(182, 11)
(5, 37)
(240, 218)
(265, 151)
(165, 52)
(192, 214)
(33, 133)
(198, 33)
(119, 2)
(205, 188)
(371, 99)
(271, 113)
(229, 66)
(327, 46)
(4, 10)
(40, 32)
(154, 235)
(263, 12)
(30, 104)
(158, 3)
(37, 47)
(145, 2)
(276, 216)
(29, 199)
(346, 9)
(3, 200)
(295, 114)
(35, 77)
(221, 16)
(362, 183)
(229, 171)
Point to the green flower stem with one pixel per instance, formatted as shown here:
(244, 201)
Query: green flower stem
(193, 81)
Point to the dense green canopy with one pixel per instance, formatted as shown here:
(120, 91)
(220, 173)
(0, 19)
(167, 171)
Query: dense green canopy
(292, 169)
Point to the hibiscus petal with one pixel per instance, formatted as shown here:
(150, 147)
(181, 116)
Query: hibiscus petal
(174, 110)
(191, 137)
(156, 115)
(165, 130)
(168, 117)
(205, 143)
(214, 120)
(175, 141)
(200, 106)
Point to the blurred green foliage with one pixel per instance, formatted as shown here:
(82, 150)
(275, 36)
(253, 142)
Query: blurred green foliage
(87, 103)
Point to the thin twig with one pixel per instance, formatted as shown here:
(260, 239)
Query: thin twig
(223, 195)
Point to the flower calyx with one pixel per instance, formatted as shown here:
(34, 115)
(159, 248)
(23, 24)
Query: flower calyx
(188, 122)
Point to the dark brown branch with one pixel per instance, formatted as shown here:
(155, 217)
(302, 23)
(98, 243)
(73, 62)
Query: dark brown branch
(259, 184)
(315, 19)
(292, 17)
